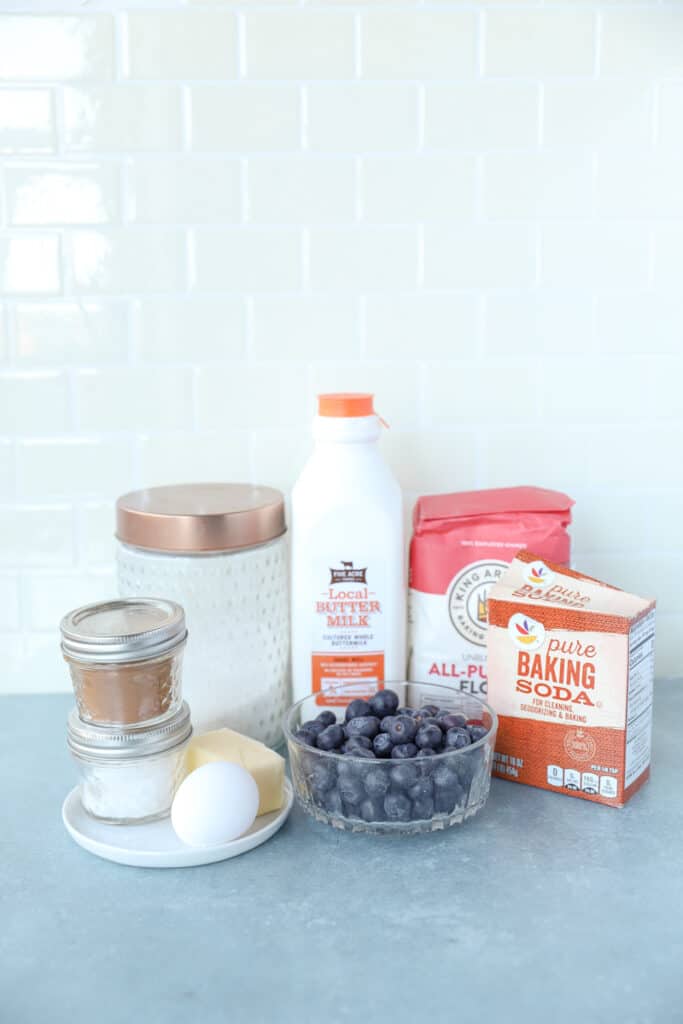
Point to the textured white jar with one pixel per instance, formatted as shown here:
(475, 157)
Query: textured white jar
(236, 663)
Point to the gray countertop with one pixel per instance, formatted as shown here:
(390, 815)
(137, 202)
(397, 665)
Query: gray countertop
(543, 908)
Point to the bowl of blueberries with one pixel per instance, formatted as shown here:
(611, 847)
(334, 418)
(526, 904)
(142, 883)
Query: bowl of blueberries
(412, 758)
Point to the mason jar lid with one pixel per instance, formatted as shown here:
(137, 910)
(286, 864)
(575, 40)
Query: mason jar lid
(114, 743)
(193, 518)
(124, 630)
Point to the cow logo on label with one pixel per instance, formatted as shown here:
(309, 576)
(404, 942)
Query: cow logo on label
(347, 574)
(539, 575)
(526, 633)
(467, 596)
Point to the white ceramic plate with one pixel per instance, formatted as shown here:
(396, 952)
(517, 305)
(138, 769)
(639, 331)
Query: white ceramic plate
(155, 845)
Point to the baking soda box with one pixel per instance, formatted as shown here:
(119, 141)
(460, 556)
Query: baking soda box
(571, 672)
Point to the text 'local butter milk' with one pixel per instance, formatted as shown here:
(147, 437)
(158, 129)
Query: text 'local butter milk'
(348, 573)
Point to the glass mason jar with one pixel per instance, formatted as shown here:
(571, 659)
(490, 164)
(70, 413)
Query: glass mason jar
(125, 659)
(130, 775)
(220, 551)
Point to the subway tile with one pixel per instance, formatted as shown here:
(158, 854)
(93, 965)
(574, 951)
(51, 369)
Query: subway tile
(26, 121)
(185, 189)
(479, 256)
(96, 542)
(29, 265)
(602, 112)
(110, 119)
(671, 114)
(397, 393)
(47, 596)
(642, 40)
(668, 245)
(591, 255)
(593, 391)
(447, 463)
(4, 335)
(549, 321)
(253, 259)
(367, 258)
(635, 322)
(137, 260)
(182, 44)
(283, 44)
(305, 327)
(38, 194)
(609, 522)
(430, 325)
(648, 574)
(661, 387)
(367, 116)
(640, 184)
(69, 331)
(7, 470)
(279, 455)
(539, 42)
(192, 329)
(522, 186)
(63, 48)
(194, 458)
(33, 403)
(406, 43)
(42, 536)
(134, 398)
(668, 649)
(249, 118)
(243, 396)
(501, 387)
(11, 609)
(72, 469)
(482, 115)
(406, 189)
(286, 190)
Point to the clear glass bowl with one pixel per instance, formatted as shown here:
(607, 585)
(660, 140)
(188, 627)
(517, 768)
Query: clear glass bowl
(350, 792)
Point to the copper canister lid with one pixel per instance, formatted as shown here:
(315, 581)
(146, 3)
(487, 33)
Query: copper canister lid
(190, 518)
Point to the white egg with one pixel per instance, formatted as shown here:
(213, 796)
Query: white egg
(214, 804)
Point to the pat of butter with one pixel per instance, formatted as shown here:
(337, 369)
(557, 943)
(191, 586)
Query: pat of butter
(267, 767)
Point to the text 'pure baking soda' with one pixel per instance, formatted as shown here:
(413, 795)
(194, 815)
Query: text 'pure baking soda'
(461, 545)
(348, 564)
(571, 671)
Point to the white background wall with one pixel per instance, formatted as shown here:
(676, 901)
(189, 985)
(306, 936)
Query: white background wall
(211, 211)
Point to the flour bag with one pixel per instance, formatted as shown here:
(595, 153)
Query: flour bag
(461, 545)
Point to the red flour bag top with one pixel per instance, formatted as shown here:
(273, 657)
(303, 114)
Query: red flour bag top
(461, 545)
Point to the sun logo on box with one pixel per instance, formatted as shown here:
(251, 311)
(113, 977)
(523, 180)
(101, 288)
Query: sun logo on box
(526, 633)
(539, 575)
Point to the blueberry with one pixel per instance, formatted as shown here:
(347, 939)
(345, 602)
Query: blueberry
(421, 788)
(361, 752)
(428, 736)
(382, 745)
(405, 711)
(313, 726)
(403, 750)
(356, 743)
(446, 799)
(423, 808)
(397, 807)
(456, 738)
(403, 776)
(372, 809)
(351, 790)
(347, 770)
(476, 732)
(326, 717)
(376, 782)
(426, 752)
(445, 776)
(385, 723)
(357, 709)
(322, 777)
(430, 710)
(368, 726)
(451, 721)
(333, 802)
(402, 729)
(306, 736)
(384, 703)
(331, 738)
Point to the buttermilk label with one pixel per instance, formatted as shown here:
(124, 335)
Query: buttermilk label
(348, 609)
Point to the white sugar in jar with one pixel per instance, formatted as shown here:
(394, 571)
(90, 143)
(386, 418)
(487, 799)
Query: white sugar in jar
(220, 551)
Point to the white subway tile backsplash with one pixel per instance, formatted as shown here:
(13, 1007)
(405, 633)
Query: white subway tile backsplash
(642, 40)
(560, 384)
(48, 596)
(305, 327)
(248, 260)
(181, 44)
(398, 393)
(29, 265)
(283, 44)
(192, 329)
(194, 457)
(294, 190)
(448, 463)
(431, 324)
(479, 256)
(372, 116)
(409, 42)
(145, 260)
(559, 41)
(190, 190)
(264, 395)
(670, 114)
(117, 118)
(644, 184)
(7, 471)
(51, 47)
(507, 391)
(364, 259)
(591, 255)
(134, 398)
(545, 184)
(605, 112)
(39, 194)
(482, 115)
(96, 534)
(33, 402)
(11, 616)
(633, 321)
(68, 331)
(65, 469)
(418, 188)
(251, 118)
(530, 323)
(668, 258)
(26, 121)
(39, 536)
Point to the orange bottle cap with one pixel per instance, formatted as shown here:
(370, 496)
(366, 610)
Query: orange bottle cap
(346, 403)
